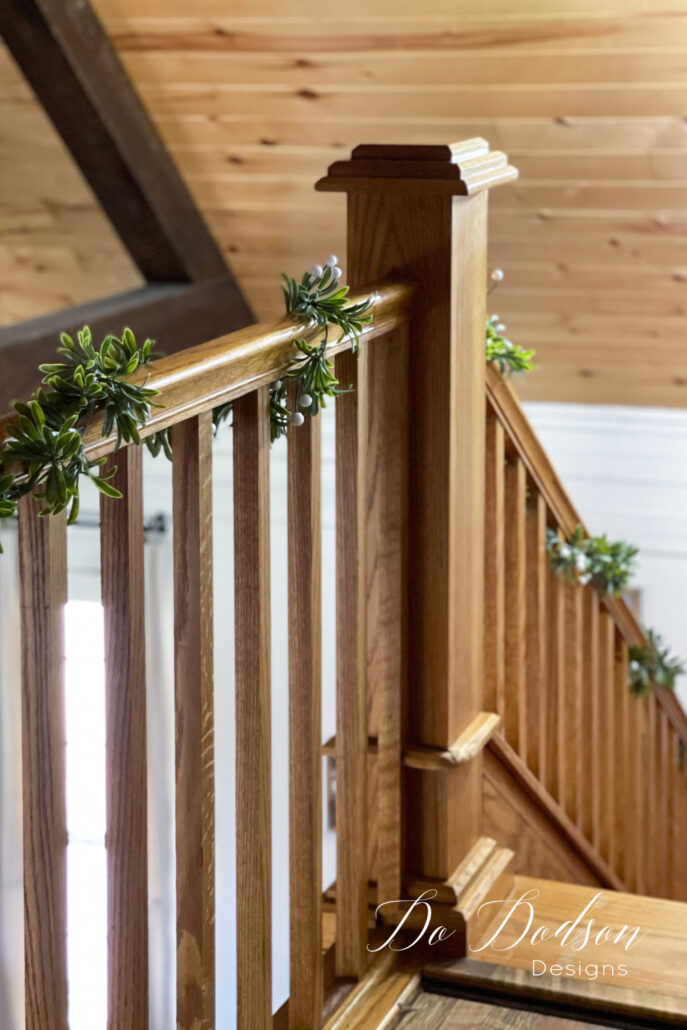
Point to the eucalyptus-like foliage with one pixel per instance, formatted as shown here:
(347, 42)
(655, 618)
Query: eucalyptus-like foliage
(43, 451)
(607, 564)
(652, 665)
(508, 357)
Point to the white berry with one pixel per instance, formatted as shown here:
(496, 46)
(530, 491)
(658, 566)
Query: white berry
(336, 272)
(277, 385)
(497, 275)
(332, 260)
(315, 272)
(305, 400)
(297, 419)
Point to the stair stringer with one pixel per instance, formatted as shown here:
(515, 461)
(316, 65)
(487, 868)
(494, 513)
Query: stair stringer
(521, 816)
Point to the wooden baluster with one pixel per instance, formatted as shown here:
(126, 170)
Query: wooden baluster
(494, 568)
(193, 686)
(680, 822)
(305, 726)
(570, 711)
(632, 772)
(535, 644)
(556, 678)
(623, 800)
(663, 800)
(589, 741)
(640, 785)
(606, 726)
(121, 549)
(351, 667)
(387, 593)
(515, 600)
(253, 747)
(43, 578)
(651, 827)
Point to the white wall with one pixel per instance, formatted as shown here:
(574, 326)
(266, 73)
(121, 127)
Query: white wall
(625, 469)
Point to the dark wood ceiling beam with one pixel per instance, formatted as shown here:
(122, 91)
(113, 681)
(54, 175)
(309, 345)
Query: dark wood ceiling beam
(65, 54)
(175, 315)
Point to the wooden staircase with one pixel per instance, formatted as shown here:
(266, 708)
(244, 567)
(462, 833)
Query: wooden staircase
(485, 730)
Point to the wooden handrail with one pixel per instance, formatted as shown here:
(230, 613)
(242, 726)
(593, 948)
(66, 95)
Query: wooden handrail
(521, 434)
(200, 378)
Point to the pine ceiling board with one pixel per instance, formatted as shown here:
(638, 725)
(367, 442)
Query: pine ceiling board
(600, 301)
(543, 101)
(504, 9)
(559, 132)
(667, 164)
(303, 66)
(41, 187)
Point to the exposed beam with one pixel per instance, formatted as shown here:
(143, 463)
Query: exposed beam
(175, 315)
(65, 54)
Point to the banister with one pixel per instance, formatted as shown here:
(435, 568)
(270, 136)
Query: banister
(199, 378)
(518, 429)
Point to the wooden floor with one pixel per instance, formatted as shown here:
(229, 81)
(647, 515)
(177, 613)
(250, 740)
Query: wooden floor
(434, 1012)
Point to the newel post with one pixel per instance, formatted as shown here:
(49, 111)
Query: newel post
(419, 213)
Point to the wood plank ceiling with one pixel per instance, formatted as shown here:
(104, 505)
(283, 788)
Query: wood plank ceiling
(256, 97)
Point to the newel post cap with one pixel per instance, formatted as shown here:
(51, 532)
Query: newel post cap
(463, 168)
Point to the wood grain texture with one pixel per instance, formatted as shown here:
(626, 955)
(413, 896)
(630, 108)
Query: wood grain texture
(556, 814)
(194, 723)
(570, 727)
(515, 722)
(621, 759)
(589, 740)
(588, 103)
(555, 695)
(43, 579)
(607, 771)
(351, 664)
(386, 589)
(251, 430)
(535, 631)
(305, 725)
(121, 548)
(494, 566)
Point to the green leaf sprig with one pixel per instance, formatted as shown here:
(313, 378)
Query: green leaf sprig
(43, 451)
(506, 356)
(607, 565)
(320, 299)
(652, 665)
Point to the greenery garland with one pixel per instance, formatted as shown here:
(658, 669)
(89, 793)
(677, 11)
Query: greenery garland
(43, 451)
(607, 564)
(652, 665)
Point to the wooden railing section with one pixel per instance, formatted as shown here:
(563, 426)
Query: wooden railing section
(418, 695)
(606, 766)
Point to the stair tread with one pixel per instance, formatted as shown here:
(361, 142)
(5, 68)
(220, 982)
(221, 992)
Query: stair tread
(429, 1011)
(650, 974)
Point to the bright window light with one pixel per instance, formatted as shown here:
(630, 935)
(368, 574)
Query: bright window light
(86, 857)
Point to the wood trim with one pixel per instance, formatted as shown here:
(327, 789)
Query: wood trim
(521, 434)
(67, 57)
(43, 579)
(386, 594)
(121, 548)
(469, 744)
(351, 665)
(533, 788)
(175, 315)
(227, 367)
(463, 168)
(194, 726)
(253, 697)
(305, 725)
